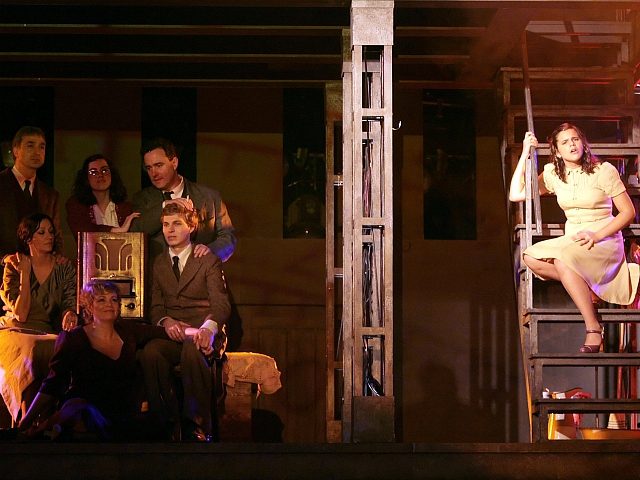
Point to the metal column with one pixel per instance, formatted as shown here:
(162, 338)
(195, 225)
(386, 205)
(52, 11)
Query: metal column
(333, 222)
(367, 321)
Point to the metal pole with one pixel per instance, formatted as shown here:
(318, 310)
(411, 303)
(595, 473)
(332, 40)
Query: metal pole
(533, 193)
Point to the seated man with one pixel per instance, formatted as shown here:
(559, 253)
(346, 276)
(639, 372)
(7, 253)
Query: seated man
(189, 299)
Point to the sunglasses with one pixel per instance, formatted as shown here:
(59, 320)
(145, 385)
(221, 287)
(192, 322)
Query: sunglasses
(94, 172)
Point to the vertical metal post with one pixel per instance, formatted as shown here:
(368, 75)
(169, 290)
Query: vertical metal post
(333, 300)
(347, 242)
(532, 193)
(368, 410)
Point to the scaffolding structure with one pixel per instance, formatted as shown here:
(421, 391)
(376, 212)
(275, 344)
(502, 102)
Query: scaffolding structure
(360, 401)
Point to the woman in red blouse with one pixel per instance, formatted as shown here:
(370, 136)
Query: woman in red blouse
(99, 199)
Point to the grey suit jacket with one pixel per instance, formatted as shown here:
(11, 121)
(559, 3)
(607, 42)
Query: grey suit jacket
(215, 229)
(47, 199)
(200, 294)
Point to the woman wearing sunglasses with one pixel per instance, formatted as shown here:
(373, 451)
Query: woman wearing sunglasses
(99, 199)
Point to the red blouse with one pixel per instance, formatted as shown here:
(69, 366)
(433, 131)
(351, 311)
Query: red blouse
(80, 217)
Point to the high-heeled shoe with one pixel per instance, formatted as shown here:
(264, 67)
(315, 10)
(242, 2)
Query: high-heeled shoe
(586, 348)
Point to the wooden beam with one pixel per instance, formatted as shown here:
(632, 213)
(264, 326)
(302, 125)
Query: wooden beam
(300, 59)
(489, 53)
(633, 4)
(172, 30)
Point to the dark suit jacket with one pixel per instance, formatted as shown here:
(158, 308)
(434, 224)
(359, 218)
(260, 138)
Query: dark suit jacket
(215, 229)
(13, 207)
(200, 294)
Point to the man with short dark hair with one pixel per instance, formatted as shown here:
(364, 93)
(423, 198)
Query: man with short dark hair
(215, 232)
(23, 193)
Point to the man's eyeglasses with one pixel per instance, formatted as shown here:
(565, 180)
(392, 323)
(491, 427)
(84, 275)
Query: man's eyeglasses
(104, 171)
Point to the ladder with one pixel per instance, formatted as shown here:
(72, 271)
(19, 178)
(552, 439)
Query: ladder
(539, 315)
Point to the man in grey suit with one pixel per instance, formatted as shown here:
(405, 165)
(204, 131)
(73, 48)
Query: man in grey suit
(189, 299)
(23, 193)
(215, 231)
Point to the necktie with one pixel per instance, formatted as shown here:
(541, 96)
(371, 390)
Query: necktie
(176, 268)
(26, 190)
(167, 195)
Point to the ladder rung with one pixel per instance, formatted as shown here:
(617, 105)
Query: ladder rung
(376, 113)
(373, 331)
(374, 222)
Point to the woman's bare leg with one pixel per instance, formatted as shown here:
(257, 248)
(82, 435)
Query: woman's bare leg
(542, 268)
(580, 293)
(576, 287)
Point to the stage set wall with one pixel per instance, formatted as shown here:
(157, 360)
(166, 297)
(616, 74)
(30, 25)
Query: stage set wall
(457, 370)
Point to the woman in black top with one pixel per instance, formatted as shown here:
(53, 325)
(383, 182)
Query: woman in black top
(93, 371)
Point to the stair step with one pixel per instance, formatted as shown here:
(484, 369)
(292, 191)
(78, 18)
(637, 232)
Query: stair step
(557, 229)
(543, 149)
(571, 315)
(587, 405)
(587, 110)
(586, 359)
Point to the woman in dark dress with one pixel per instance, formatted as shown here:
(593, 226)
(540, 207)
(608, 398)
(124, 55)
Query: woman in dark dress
(93, 371)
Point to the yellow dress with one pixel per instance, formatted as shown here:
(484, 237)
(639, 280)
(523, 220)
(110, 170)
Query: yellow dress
(586, 202)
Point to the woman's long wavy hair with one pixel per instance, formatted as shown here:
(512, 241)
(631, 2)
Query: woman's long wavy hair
(82, 189)
(588, 162)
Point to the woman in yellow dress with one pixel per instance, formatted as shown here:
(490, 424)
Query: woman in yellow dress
(39, 293)
(590, 256)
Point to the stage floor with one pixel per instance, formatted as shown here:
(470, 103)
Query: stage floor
(249, 461)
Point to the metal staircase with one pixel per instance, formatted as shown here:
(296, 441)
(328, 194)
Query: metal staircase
(537, 360)
(540, 316)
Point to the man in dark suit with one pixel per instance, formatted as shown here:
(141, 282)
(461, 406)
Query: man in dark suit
(22, 193)
(189, 299)
(215, 231)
